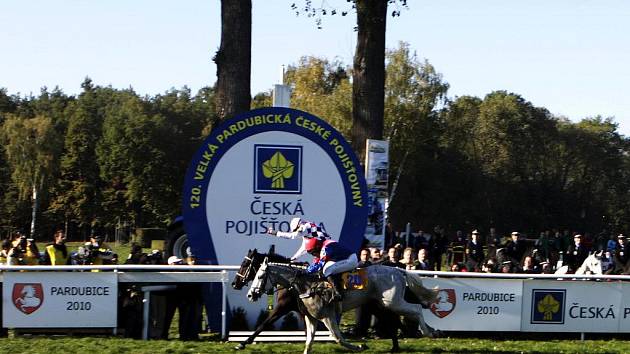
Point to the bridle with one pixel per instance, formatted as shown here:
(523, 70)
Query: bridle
(269, 276)
(247, 271)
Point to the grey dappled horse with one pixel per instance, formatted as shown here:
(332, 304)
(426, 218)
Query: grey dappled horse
(386, 286)
(288, 300)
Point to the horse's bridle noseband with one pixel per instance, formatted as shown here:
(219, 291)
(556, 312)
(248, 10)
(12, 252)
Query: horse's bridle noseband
(249, 269)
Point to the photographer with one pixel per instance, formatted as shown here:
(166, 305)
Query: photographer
(23, 252)
(135, 254)
(4, 252)
(94, 252)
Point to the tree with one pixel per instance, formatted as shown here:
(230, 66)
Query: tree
(368, 74)
(233, 59)
(8, 104)
(180, 134)
(322, 88)
(78, 191)
(32, 149)
(413, 90)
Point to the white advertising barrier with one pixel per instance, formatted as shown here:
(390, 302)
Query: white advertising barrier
(574, 306)
(59, 300)
(624, 316)
(475, 304)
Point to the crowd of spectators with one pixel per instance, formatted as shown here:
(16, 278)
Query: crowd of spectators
(21, 250)
(495, 252)
(185, 298)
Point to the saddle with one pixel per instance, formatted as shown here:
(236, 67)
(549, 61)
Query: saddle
(354, 280)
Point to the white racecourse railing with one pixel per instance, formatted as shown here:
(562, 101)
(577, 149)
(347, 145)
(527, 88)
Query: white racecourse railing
(219, 273)
(131, 273)
(440, 274)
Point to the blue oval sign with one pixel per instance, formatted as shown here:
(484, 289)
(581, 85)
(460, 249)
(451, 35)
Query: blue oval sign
(262, 168)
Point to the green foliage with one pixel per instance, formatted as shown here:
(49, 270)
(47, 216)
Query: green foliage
(78, 188)
(324, 89)
(262, 99)
(103, 157)
(32, 148)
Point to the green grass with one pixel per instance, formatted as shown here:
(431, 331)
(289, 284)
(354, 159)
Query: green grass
(40, 344)
(109, 344)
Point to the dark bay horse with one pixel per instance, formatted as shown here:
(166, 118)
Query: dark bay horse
(287, 301)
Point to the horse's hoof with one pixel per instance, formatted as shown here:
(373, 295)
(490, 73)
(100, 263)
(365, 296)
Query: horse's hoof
(239, 347)
(394, 350)
(436, 334)
(363, 347)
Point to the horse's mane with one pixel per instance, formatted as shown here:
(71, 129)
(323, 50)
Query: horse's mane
(276, 258)
(288, 265)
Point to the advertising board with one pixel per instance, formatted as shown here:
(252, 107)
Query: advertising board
(571, 306)
(59, 300)
(377, 178)
(468, 304)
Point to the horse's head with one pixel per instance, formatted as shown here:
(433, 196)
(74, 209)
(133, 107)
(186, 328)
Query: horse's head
(247, 270)
(594, 263)
(260, 284)
(250, 265)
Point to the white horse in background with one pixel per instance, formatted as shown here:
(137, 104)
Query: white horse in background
(591, 265)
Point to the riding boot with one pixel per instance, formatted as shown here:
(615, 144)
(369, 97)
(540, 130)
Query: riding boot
(335, 281)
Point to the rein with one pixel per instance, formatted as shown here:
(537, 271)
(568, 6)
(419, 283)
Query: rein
(295, 270)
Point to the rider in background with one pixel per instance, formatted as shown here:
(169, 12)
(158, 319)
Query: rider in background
(301, 228)
(576, 254)
(621, 255)
(333, 259)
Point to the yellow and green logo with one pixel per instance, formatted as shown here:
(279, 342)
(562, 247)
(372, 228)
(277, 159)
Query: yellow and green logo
(548, 306)
(278, 169)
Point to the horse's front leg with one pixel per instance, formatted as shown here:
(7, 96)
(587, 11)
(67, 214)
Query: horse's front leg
(333, 327)
(277, 312)
(310, 327)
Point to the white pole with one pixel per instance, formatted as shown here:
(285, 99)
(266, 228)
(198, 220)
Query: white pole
(224, 306)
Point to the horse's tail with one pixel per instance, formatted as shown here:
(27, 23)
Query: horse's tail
(414, 282)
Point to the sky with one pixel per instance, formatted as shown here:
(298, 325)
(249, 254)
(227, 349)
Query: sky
(570, 56)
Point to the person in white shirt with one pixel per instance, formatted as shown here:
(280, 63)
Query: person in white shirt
(304, 229)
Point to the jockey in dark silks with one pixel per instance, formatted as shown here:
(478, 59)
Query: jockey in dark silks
(332, 259)
(304, 229)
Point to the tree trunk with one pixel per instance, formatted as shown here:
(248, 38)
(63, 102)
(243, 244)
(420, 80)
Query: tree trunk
(368, 79)
(35, 200)
(233, 59)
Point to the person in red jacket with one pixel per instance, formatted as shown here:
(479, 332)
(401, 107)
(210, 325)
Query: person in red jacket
(301, 229)
(331, 258)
